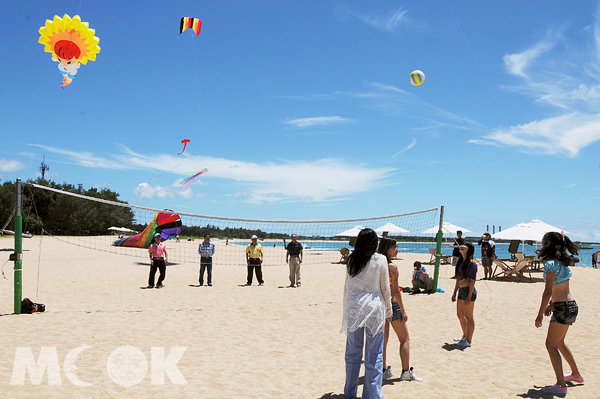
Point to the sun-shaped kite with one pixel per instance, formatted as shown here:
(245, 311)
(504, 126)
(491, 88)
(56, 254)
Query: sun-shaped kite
(71, 42)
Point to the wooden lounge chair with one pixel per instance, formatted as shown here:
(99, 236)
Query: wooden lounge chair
(443, 258)
(521, 267)
(431, 252)
(504, 271)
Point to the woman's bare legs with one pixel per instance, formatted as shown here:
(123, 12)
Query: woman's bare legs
(461, 316)
(468, 308)
(402, 333)
(555, 344)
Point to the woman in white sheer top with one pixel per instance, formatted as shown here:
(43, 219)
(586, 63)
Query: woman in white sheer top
(367, 306)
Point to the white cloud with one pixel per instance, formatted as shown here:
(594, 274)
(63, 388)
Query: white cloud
(10, 165)
(321, 120)
(390, 22)
(145, 190)
(408, 147)
(318, 180)
(565, 79)
(516, 64)
(563, 135)
(84, 158)
(389, 99)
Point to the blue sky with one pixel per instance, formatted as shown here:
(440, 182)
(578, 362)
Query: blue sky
(304, 110)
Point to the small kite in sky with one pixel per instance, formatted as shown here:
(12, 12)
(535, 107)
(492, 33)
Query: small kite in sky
(188, 180)
(417, 77)
(71, 42)
(189, 22)
(184, 142)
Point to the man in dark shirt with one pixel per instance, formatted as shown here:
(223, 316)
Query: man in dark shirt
(293, 257)
(456, 252)
(488, 248)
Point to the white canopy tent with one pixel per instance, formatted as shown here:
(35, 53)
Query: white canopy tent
(447, 227)
(121, 229)
(532, 231)
(391, 229)
(353, 232)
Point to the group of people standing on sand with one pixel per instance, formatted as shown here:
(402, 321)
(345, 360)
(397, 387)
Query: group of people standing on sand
(254, 260)
(372, 303)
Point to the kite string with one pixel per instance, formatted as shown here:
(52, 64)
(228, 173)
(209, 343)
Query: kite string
(477, 63)
(197, 83)
(156, 177)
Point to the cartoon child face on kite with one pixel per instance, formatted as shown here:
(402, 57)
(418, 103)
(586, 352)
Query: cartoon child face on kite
(71, 42)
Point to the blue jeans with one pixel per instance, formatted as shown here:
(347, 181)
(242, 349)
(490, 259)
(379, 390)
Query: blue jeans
(373, 364)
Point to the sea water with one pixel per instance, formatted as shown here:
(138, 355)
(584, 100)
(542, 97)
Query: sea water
(585, 255)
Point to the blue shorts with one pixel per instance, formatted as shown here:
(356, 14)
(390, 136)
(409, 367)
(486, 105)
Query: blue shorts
(396, 311)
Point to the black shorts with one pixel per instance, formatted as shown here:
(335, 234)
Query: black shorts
(564, 312)
(464, 291)
(396, 311)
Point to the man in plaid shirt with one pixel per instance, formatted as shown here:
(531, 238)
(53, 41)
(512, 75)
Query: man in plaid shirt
(206, 251)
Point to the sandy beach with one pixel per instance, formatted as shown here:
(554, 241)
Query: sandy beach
(108, 337)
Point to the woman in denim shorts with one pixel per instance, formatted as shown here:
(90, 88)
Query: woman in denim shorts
(389, 248)
(556, 253)
(466, 275)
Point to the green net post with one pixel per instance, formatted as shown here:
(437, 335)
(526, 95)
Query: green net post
(438, 253)
(18, 250)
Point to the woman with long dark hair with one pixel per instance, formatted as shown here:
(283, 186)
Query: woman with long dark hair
(389, 248)
(367, 306)
(466, 275)
(556, 253)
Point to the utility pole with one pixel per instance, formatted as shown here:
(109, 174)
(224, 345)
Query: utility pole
(43, 167)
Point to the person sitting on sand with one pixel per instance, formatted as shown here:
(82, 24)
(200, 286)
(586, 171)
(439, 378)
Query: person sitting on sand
(558, 301)
(466, 274)
(421, 278)
(345, 252)
(367, 306)
(389, 248)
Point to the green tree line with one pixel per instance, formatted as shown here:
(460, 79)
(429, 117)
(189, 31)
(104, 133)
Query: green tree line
(61, 214)
(228, 232)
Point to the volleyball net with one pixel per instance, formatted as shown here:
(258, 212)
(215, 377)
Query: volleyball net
(97, 223)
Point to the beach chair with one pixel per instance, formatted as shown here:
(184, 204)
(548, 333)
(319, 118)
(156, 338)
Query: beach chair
(431, 252)
(513, 248)
(522, 266)
(504, 271)
(443, 258)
